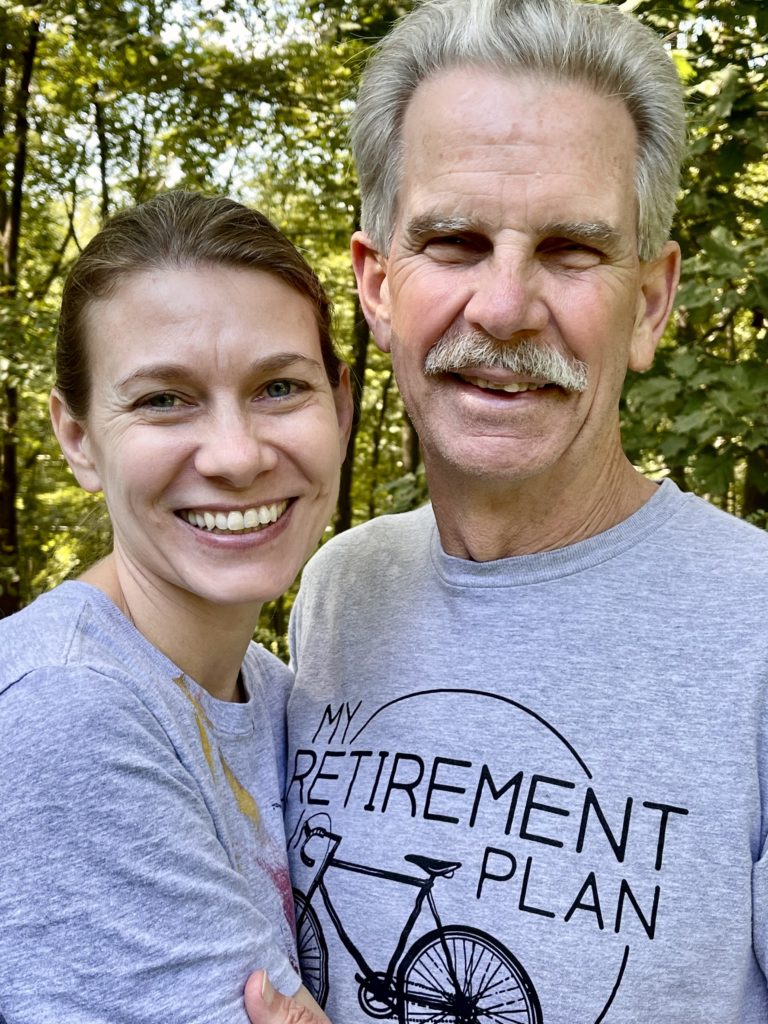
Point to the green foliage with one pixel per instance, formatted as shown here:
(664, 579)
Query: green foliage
(700, 414)
(126, 98)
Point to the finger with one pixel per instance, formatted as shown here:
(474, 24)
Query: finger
(264, 1005)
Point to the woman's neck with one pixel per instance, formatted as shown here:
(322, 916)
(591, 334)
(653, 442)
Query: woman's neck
(207, 641)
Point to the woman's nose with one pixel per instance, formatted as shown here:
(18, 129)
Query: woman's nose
(235, 452)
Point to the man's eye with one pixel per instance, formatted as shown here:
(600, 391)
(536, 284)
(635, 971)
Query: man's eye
(280, 389)
(457, 248)
(162, 400)
(451, 240)
(458, 241)
(578, 254)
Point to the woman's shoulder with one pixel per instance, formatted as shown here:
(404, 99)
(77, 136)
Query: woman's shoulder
(70, 657)
(53, 614)
(81, 722)
(74, 626)
(43, 634)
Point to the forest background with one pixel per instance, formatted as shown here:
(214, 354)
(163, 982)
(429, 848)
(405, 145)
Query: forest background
(104, 103)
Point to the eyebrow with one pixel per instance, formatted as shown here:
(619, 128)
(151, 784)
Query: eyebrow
(597, 232)
(427, 224)
(594, 232)
(170, 373)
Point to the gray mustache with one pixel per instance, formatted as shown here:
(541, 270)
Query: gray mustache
(457, 350)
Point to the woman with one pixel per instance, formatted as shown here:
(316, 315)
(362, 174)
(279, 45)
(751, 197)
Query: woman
(141, 733)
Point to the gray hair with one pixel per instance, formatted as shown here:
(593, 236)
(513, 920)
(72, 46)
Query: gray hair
(599, 46)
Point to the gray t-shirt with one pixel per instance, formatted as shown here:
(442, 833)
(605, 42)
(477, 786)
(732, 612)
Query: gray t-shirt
(573, 744)
(142, 854)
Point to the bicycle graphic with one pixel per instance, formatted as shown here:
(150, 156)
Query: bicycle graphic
(453, 974)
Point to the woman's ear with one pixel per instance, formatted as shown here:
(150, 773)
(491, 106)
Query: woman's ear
(74, 440)
(370, 268)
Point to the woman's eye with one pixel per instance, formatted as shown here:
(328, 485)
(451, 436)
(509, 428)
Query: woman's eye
(280, 389)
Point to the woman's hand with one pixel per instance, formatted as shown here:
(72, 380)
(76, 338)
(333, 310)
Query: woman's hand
(266, 1006)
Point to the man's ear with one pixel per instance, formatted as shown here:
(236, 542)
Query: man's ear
(74, 441)
(373, 288)
(658, 285)
(342, 396)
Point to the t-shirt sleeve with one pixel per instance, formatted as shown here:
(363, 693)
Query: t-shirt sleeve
(118, 901)
(760, 910)
(294, 629)
(271, 681)
(760, 879)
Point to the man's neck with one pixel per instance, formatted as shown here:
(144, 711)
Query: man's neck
(483, 522)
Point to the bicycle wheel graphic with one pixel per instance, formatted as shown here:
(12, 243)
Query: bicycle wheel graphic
(461, 975)
(313, 952)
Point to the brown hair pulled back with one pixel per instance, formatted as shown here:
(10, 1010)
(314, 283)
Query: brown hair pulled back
(175, 230)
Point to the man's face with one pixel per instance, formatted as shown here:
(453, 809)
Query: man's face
(516, 220)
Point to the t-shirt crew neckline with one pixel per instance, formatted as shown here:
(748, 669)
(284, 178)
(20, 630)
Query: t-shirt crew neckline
(523, 570)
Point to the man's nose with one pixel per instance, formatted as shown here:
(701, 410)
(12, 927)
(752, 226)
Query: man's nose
(506, 299)
(235, 451)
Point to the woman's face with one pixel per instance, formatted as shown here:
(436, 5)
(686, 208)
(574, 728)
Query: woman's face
(212, 430)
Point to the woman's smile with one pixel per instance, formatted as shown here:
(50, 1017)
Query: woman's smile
(235, 521)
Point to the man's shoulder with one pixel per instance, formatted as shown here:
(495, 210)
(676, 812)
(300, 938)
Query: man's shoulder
(381, 539)
(705, 543)
(706, 522)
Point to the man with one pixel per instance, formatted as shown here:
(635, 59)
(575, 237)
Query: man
(528, 733)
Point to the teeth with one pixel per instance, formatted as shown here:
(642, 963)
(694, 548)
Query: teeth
(489, 385)
(236, 521)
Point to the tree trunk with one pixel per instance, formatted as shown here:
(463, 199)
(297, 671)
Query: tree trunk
(20, 160)
(410, 444)
(101, 135)
(378, 430)
(756, 483)
(361, 336)
(5, 57)
(10, 598)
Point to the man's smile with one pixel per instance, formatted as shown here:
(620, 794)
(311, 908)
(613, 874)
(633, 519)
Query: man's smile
(512, 387)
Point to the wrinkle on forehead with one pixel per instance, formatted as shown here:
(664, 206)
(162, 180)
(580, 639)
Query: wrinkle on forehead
(479, 146)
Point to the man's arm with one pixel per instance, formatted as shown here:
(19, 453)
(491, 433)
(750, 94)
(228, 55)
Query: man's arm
(266, 1006)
